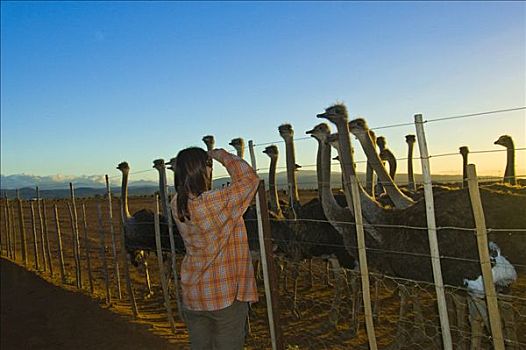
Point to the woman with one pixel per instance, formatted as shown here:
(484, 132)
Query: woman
(217, 277)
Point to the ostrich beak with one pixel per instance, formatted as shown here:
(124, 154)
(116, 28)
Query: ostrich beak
(496, 142)
(309, 132)
(321, 115)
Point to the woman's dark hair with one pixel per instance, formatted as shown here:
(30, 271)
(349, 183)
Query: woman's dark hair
(191, 177)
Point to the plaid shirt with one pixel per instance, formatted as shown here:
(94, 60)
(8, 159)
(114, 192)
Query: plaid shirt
(217, 268)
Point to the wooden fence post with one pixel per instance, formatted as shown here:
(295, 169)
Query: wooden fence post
(103, 256)
(7, 224)
(13, 230)
(113, 244)
(76, 258)
(41, 224)
(34, 229)
(59, 245)
(87, 246)
(485, 264)
(46, 236)
(76, 242)
(22, 229)
(362, 258)
(270, 278)
(161, 167)
(126, 257)
(432, 233)
(164, 283)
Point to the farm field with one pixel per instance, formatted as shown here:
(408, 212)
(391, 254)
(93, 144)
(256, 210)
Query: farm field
(307, 327)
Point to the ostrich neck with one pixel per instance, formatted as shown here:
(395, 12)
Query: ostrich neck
(319, 172)
(125, 213)
(509, 173)
(332, 210)
(273, 190)
(392, 164)
(370, 208)
(291, 172)
(399, 199)
(240, 152)
(410, 174)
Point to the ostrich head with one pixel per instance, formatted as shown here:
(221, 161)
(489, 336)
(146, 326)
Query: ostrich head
(238, 144)
(504, 140)
(158, 164)
(124, 167)
(336, 114)
(358, 126)
(271, 151)
(209, 142)
(320, 132)
(380, 141)
(286, 131)
(171, 163)
(410, 139)
(464, 150)
(297, 167)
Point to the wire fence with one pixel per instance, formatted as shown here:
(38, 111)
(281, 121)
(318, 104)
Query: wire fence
(321, 298)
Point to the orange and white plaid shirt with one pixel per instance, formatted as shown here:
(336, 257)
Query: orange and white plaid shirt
(217, 268)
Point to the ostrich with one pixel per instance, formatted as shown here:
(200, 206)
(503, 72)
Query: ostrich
(239, 145)
(287, 133)
(464, 151)
(386, 154)
(359, 128)
(139, 229)
(400, 246)
(209, 142)
(509, 173)
(272, 152)
(410, 139)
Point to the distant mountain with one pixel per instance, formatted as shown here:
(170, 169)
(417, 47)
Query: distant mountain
(90, 186)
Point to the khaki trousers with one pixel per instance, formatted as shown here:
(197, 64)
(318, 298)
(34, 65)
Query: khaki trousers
(223, 329)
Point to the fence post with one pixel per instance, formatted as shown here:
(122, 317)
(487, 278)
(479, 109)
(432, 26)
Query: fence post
(76, 258)
(161, 167)
(41, 224)
(7, 225)
(87, 246)
(164, 283)
(432, 233)
(126, 258)
(362, 258)
(59, 245)
(22, 229)
(267, 261)
(482, 242)
(103, 255)
(75, 228)
(46, 236)
(13, 229)
(34, 230)
(113, 245)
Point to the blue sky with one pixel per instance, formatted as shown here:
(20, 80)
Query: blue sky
(85, 85)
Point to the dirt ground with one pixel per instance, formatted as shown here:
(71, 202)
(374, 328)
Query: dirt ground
(39, 315)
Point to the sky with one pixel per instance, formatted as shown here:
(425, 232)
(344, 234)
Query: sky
(86, 85)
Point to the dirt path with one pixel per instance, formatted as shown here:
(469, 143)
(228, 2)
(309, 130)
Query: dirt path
(37, 315)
